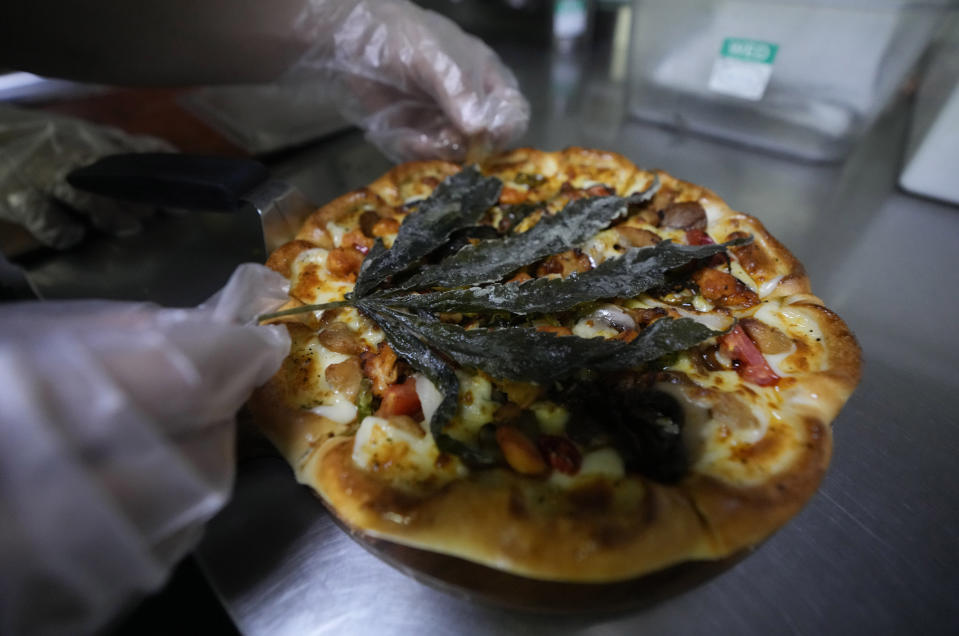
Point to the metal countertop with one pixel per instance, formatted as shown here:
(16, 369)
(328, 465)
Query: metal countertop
(876, 550)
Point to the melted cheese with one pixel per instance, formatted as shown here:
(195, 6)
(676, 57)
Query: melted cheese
(552, 417)
(590, 328)
(341, 410)
(400, 456)
(336, 232)
(476, 406)
(311, 281)
(602, 247)
(366, 330)
(319, 357)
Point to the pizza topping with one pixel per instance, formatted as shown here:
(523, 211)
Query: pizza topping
(644, 425)
(698, 237)
(637, 237)
(550, 416)
(400, 399)
(520, 452)
(768, 339)
(747, 359)
(356, 240)
(560, 453)
(312, 281)
(489, 261)
(564, 264)
(725, 289)
(512, 215)
(367, 220)
(548, 357)
(406, 424)
(529, 180)
(344, 262)
(629, 275)
(395, 449)
(345, 378)
(380, 367)
(338, 337)
(340, 411)
(488, 341)
(687, 215)
(459, 201)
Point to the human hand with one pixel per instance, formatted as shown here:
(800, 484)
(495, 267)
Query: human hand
(414, 81)
(37, 151)
(116, 441)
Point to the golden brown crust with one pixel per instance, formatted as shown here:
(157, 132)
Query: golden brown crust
(760, 454)
(411, 180)
(519, 524)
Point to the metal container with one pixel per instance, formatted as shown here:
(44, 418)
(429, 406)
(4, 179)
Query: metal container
(800, 77)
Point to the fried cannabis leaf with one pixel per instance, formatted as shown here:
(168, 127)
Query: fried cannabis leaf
(525, 354)
(491, 260)
(458, 202)
(636, 271)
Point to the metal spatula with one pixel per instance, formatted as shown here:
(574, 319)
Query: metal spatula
(197, 182)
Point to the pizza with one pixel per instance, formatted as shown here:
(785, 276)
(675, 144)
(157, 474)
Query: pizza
(555, 364)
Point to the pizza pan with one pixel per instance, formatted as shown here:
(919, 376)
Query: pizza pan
(475, 582)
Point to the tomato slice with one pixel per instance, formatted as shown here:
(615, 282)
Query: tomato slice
(698, 237)
(400, 399)
(747, 359)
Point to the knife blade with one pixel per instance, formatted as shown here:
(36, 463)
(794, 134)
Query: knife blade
(200, 182)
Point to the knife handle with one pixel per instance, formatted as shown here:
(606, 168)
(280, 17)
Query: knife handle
(195, 182)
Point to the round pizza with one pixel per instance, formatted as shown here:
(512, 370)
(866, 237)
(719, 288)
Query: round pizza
(555, 364)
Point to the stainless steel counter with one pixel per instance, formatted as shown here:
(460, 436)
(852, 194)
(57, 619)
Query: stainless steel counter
(875, 551)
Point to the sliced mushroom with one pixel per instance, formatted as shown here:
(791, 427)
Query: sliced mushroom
(768, 339)
(637, 237)
(688, 215)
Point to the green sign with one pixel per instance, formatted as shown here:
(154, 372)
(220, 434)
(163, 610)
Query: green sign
(749, 50)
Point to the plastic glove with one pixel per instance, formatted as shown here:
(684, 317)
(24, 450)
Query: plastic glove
(116, 442)
(37, 150)
(414, 81)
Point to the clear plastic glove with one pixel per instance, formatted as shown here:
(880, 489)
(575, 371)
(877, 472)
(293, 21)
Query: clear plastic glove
(37, 151)
(414, 81)
(116, 443)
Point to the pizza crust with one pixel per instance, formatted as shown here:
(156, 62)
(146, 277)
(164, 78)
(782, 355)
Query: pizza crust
(738, 491)
(495, 520)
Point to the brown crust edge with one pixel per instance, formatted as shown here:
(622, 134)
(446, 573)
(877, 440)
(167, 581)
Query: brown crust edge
(487, 523)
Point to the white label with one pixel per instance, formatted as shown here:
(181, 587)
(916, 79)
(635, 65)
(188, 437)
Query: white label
(743, 68)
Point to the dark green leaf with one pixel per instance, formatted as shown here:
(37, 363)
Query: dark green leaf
(457, 202)
(629, 275)
(525, 354)
(489, 261)
(424, 359)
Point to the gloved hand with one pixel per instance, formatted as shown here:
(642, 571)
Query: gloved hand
(414, 81)
(37, 150)
(116, 442)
